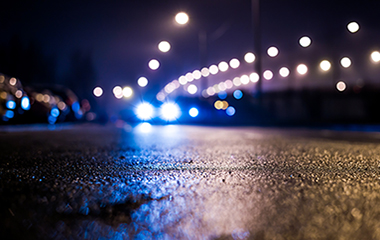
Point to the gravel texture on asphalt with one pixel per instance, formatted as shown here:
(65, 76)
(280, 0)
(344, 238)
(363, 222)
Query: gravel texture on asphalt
(186, 182)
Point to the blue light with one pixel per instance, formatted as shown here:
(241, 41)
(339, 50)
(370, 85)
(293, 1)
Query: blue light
(238, 94)
(75, 107)
(170, 111)
(54, 112)
(11, 104)
(230, 111)
(52, 119)
(144, 111)
(25, 103)
(222, 94)
(193, 112)
(9, 114)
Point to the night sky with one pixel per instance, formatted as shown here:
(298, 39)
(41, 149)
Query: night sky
(121, 37)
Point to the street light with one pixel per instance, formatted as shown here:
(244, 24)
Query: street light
(181, 18)
(164, 46)
(154, 64)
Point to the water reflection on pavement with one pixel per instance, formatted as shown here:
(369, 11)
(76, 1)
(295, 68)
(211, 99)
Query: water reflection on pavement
(177, 182)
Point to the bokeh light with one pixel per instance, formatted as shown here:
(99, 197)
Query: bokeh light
(302, 69)
(12, 81)
(222, 94)
(284, 72)
(25, 103)
(222, 86)
(305, 41)
(18, 94)
(254, 77)
(154, 64)
(230, 111)
(244, 79)
(10, 104)
(54, 112)
(229, 84)
(170, 111)
(142, 81)
(234, 63)
(144, 111)
(341, 86)
(205, 72)
(192, 89)
(236, 81)
(197, 74)
(164, 46)
(193, 112)
(189, 77)
(144, 127)
(182, 80)
(117, 92)
(249, 57)
(223, 66)
(272, 51)
(238, 94)
(375, 56)
(268, 75)
(213, 69)
(325, 65)
(127, 92)
(98, 91)
(353, 27)
(182, 18)
(345, 62)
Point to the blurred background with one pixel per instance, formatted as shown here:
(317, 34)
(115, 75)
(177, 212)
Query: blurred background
(225, 62)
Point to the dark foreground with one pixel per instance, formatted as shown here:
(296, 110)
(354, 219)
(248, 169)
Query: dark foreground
(177, 182)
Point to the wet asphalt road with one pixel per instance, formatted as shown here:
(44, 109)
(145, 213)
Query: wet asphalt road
(183, 182)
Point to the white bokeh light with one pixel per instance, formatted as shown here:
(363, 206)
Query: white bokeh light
(164, 46)
(345, 62)
(98, 91)
(154, 64)
(127, 92)
(353, 27)
(375, 56)
(142, 81)
(325, 65)
(205, 72)
(268, 75)
(117, 92)
(254, 77)
(272, 51)
(244, 79)
(192, 89)
(284, 72)
(197, 74)
(223, 66)
(249, 57)
(181, 18)
(234, 63)
(305, 41)
(341, 86)
(213, 69)
(302, 69)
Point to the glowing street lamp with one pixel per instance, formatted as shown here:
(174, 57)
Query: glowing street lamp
(127, 92)
(305, 41)
(375, 56)
(182, 18)
(325, 65)
(164, 46)
(353, 27)
(345, 62)
(272, 52)
(98, 92)
(154, 64)
(142, 81)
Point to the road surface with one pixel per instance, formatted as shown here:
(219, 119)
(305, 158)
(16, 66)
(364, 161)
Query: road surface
(187, 182)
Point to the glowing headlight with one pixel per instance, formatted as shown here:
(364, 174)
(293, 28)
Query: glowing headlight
(144, 111)
(170, 111)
